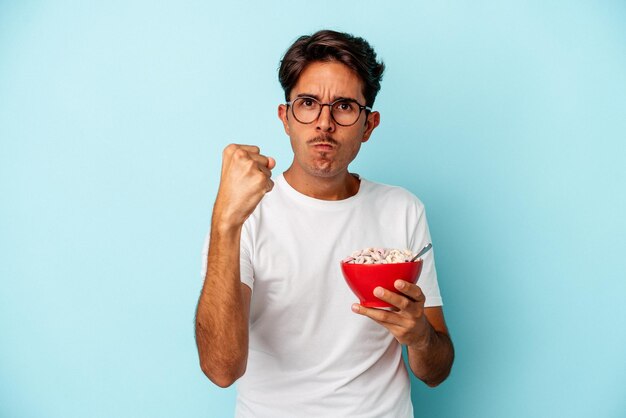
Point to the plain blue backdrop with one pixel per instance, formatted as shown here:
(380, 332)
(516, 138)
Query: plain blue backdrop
(508, 120)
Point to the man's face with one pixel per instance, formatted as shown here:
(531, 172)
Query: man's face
(323, 148)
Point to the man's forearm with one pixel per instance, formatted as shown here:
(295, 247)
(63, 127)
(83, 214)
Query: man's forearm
(221, 318)
(431, 361)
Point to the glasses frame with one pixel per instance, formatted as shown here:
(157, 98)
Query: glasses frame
(330, 106)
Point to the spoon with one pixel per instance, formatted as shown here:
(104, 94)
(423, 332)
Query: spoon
(424, 251)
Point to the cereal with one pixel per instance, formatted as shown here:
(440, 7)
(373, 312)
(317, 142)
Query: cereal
(379, 256)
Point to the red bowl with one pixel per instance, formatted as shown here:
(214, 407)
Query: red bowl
(364, 278)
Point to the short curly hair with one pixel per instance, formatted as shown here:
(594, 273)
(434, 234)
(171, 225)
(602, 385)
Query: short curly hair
(328, 45)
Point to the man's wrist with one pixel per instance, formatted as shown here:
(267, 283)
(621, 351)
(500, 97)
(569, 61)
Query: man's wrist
(426, 338)
(225, 228)
(224, 223)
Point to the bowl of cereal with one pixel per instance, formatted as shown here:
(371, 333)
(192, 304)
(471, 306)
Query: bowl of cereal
(369, 268)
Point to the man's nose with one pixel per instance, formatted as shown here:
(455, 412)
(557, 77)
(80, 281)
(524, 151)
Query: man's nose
(326, 122)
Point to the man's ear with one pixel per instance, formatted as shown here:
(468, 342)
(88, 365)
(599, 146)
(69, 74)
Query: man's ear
(372, 121)
(283, 116)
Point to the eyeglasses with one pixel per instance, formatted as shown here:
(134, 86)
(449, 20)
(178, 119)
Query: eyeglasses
(345, 112)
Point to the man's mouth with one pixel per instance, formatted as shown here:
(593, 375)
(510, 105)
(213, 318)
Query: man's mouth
(323, 146)
(323, 143)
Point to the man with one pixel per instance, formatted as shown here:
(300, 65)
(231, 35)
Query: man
(274, 311)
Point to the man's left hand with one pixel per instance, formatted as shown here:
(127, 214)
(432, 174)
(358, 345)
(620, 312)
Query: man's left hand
(406, 322)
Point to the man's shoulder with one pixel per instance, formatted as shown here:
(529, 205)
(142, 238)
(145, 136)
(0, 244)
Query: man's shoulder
(394, 193)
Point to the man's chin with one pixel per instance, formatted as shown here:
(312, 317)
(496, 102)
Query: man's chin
(324, 169)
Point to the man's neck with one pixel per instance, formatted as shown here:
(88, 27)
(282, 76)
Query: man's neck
(339, 187)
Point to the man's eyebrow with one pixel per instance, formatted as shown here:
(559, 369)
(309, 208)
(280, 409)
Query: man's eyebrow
(316, 97)
(313, 96)
(345, 98)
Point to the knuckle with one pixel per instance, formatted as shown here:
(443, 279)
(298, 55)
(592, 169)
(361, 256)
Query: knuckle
(240, 153)
(229, 149)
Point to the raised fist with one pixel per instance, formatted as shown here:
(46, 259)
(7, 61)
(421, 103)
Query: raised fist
(246, 177)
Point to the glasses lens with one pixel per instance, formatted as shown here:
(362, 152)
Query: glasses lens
(305, 109)
(346, 112)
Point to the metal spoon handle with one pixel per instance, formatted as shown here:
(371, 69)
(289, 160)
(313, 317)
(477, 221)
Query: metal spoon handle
(424, 251)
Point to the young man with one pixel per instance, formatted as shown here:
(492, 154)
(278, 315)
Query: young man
(274, 311)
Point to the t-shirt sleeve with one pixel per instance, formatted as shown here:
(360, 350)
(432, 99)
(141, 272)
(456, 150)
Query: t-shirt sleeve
(205, 254)
(245, 261)
(428, 277)
(245, 257)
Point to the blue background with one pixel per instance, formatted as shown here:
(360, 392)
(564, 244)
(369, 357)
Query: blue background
(508, 119)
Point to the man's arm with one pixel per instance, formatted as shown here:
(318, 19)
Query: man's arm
(223, 311)
(422, 330)
(431, 360)
(224, 304)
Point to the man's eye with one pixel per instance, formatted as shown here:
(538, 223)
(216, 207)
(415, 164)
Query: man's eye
(344, 106)
(307, 102)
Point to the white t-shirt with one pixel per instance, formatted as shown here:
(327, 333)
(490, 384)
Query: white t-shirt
(309, 354)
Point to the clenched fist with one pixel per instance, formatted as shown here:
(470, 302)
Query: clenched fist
(246, 177)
